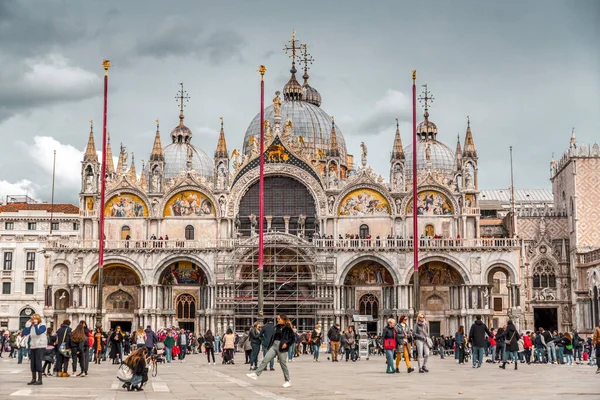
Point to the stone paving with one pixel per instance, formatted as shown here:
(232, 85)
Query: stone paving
(364, 379)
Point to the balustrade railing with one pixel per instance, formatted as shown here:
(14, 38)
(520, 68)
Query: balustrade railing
(350, 244)
(590, 257)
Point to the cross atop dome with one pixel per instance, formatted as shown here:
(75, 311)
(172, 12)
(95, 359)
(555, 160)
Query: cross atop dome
(292, 90)
(182, 97)
(309, 94)
(426, 130)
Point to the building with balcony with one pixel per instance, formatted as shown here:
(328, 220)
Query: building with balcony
(24, 232)
(181, 237)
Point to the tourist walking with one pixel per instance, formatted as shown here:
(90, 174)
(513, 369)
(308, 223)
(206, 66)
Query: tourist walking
(403, 347)
(151, 339)
(459, 342)
(281, 340)
(550, 346)
(38, 340)
(334, 337)
(140, 338)
(183, 341)
(49, 353)
(477, 338)
(228, 347)
(209, 346)
(78, 345)
(98, 345)
(21, 346)
(389, 343)
(511, 345)
(527, 345)
(116, 346)
(596, 347)
(169, 343)
(266, 334)
(315, 339)
(423, 341)
(63, 338)
(348, 341)
(254, 338)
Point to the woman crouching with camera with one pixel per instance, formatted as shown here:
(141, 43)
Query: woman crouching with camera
(136, 362)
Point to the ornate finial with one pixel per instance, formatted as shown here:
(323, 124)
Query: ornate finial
(108, 137)
(397, 123)
(106, 65)
(332, 121)
(157, 125)
(221, 118)
(182, 97)
(91, 125)
(414, 75)
(291, 49)
(468, 121)
(262, 69)
(426, 98)
(306, 60)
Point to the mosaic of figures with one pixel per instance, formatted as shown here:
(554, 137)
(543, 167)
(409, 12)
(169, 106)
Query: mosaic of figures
(431, 203)
(438, 273)
(115, 275)
(183, 273)
(368, 273)
(125, 206)
(364, 202)
(189, 204)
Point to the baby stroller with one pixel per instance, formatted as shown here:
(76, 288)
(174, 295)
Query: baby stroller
(159, 350)
(227, 356)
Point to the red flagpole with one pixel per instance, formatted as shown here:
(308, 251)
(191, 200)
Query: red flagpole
(414, 202)
(261, 190)
(106, 65)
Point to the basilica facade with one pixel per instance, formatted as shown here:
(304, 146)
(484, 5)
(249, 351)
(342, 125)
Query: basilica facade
(181, 235)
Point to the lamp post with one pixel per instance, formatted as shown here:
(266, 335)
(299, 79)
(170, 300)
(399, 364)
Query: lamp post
(106, 65)
(416, 288)
(261, 208)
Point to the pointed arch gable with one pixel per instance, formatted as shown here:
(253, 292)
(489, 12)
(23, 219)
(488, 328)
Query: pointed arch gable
(462, 270)
(377, 191)
(197, 187)
(500, 266)
(126, 204)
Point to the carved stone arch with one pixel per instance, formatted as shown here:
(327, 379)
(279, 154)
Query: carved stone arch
(382, 190)
(593, 276)
(500, 266)
(60, 274)
(205, 190)
(89, 272)
(119, 190)
(437, 188)
(165, 262)
(367, 257)
(242, 186)
(435, 302)
(453, 262)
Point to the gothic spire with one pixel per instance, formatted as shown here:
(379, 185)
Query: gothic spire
(110, 165)
(458, 153)
(157, 150)
(334, 149)
(143, 181)
(221, 151)
(132, 172)
(469, 148)
(397, 151)
(90, 150)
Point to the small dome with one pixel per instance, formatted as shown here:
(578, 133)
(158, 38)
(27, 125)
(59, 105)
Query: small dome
(426, 128)
(442, 157)
(308, 120)
(292, 89)
(176, 157)
(311, 95)
(181, 134)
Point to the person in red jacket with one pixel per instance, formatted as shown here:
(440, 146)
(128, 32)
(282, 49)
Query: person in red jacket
(527, 345)
(493, 344)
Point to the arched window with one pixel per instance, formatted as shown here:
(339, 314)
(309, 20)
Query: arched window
(189, 232)
(125, 232)
(572, 219)
(363, 231)
(369, 305)
(61, 299)
(25, 316)
(119, 300)
(186, 306)
(544, 275)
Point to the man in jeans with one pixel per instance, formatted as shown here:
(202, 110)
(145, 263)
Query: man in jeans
(477, 338)
(183, 342)
(550, 346)
(266, 333)
(334, 337)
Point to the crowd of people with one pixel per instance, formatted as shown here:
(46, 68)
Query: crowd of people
(51, 353)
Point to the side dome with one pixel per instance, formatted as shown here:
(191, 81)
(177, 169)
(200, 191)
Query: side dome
(442, 157)
(176, 160)
(308, 120)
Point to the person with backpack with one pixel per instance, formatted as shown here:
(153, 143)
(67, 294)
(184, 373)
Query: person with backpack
(477, 338)
(49, 353)
(209, 346)
(512, 345)
(78, 346)
(63, 336)
(334, 337)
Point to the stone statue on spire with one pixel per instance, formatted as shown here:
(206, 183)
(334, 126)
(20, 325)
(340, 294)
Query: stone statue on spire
(363, 146)
(277, 104)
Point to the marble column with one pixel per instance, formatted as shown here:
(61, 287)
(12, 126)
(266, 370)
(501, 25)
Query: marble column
(269, 219)
(286, 221)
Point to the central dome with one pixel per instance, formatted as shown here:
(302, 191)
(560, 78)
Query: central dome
(442, 157)
(176, 158)
(308, 120)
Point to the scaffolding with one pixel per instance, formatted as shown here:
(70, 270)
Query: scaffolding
(297, 281)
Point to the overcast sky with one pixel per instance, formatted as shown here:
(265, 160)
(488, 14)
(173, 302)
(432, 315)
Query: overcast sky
(525, 71)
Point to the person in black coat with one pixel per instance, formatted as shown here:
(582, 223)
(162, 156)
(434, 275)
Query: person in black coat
(63, 335)
(282, 339)
(477, 338)
(511, 339)
(116, 345)
(265, 336)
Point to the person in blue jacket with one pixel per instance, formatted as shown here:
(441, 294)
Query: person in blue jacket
(38, 340)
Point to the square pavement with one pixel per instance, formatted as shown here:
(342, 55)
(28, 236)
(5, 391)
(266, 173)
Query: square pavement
(364, 379)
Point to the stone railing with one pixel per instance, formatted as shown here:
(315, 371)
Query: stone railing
(471, 211)
(342, 244)
(406, 244)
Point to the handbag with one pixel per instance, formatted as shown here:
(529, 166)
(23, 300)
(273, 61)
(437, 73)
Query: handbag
(124, 373)
(429, 342)
(511, 338)
(390, 344)
(63, 349)
(569, 347)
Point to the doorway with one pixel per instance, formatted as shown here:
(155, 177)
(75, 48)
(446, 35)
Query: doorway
(125, 325)
(546, 318)
(188, 326)
(435, 328)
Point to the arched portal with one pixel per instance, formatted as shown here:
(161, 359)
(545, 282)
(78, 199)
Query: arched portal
(369, 290)
(24, 316)
(285, 198)
(290, 287)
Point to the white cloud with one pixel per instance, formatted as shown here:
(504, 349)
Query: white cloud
(68, 161)
(21, 187)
